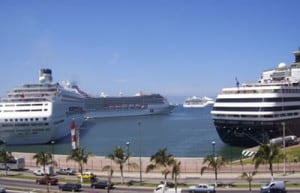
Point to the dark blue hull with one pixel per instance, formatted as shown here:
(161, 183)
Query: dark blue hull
(251, 133)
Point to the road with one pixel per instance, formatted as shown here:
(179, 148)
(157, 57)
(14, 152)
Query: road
(30, 185)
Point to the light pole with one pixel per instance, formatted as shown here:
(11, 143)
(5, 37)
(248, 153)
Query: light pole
(127, 145)
(52, 151)
(284, 148)
(213, 143)
(140, 148)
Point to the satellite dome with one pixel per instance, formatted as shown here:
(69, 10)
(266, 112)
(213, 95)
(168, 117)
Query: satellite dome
(282, 65)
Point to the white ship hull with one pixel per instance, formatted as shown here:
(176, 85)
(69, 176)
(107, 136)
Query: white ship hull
(40, 137)
(151, 110)
(38, 132)
(196, 105)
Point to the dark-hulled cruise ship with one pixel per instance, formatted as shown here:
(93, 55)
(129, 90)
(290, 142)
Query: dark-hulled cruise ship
(251, 114)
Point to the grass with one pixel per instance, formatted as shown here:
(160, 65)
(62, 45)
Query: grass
(292, 154)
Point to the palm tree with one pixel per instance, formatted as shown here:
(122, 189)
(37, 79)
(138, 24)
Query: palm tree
(267, 154)
(43, 159)
(161, 159)
(5, 157)
(118, 156)
(110, 173)
(249, 177)
(175, 172)
(80, 156)
(215, 163)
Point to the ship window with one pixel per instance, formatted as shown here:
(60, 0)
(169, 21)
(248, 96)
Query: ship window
(7, 125)
(44, 118)
(37, 104)
(6, 120)
(45, 109)
(16, 120)
(21, 119)
(23, 110)
(36, 110)
(31, 119)
(22, 105)
(11, 120)
(36, 119)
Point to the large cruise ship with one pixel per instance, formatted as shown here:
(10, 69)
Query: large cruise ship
(197, 102)
(251, 114)
(121, 106)
(39, 113)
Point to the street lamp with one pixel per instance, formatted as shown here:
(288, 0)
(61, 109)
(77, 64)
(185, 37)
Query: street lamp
(52, 151)
(127, 145)
(213, 143)
(140, 148)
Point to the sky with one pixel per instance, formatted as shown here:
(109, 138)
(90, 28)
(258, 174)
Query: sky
(177, 48)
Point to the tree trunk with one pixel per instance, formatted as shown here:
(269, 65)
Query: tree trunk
(122, 178)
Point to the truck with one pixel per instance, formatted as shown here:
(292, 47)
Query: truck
(49, 170)
(162, 188)
(13, 164)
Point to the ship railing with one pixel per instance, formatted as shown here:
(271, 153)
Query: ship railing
(27, 99)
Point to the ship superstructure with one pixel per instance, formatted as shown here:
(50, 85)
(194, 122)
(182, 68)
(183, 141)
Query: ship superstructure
(39, 113)
(254, 113)
(121, 106)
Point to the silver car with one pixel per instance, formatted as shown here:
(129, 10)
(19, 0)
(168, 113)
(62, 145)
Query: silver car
(202, 188)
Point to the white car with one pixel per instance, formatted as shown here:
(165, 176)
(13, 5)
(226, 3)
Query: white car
(202, 188)
(38, 172)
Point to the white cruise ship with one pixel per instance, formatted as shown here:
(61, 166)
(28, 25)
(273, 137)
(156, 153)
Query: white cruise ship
(197, 102)
(39, 113)
(122, 106)
(252, 114)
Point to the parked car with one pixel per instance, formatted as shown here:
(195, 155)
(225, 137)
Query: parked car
(2, 190)
(66, 171)
(102, 185)
(86, 175)
(164, 188)
(202, 188)
(38, 172)
(47, 180)
(70, 187)
(274, 187)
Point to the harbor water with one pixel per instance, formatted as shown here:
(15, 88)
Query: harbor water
(185, 133)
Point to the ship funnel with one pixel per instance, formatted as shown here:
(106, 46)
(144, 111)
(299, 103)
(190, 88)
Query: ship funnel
(297, 56)
(45, 76)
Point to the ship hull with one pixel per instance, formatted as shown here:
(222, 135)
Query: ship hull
(151, 110)
(248, 134)
(30, 135)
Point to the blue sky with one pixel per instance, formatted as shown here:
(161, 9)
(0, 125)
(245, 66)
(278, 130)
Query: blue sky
(172, 47)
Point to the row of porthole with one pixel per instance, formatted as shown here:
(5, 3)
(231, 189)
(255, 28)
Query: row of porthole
(25, 119)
